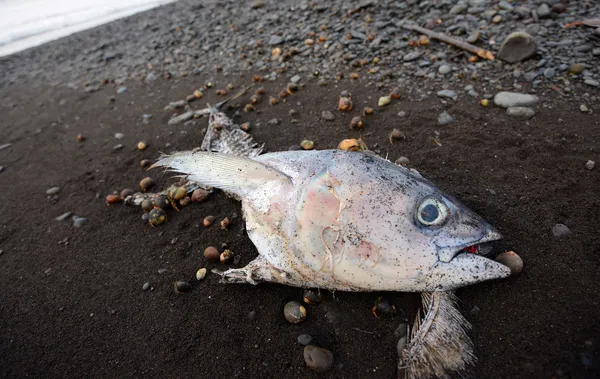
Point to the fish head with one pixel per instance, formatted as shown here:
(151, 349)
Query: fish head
(448, 234)
(404, 233)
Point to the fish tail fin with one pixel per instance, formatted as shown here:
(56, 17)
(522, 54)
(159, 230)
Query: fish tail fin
(438, 344)
(235, 174)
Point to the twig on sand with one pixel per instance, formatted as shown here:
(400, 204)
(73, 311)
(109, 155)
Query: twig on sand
(485, 54)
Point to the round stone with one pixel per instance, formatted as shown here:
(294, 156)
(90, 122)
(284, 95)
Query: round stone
(511, 260)
(444, 69)
(294, 312)
(211, 253)
(318, 358)
(304, 339)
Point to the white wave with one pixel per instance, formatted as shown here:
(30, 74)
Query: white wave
(28, 23)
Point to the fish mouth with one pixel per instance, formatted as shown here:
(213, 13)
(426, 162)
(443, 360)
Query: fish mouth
(483, 247)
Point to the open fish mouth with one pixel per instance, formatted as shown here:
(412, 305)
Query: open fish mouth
(485, 249)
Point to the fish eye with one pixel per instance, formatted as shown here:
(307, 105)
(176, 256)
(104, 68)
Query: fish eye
(432, 212)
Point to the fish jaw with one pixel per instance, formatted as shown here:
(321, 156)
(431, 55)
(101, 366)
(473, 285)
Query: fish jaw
(463, 270)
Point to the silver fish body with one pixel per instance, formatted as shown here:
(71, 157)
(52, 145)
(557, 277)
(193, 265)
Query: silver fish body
(346, 221)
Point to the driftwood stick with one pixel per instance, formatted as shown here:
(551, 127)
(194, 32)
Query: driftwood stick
(485, 54)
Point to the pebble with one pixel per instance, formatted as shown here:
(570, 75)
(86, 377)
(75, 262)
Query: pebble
(520, 112)
(294, 312)
(199, 195)
(52, 191)
(146, 286)
(2, 168)
(208, 220)
(275, 40)
(474, 36)
(589, 165)
(64, 216)
(544, 11)
(226, 256)
(119, 135)
(444, 119)
(295, 79)
(576, 68)
(304, 339)
(318, 359)
(401, 114)
(511, 260)
(591, 82)
(307, 144)
(327, 116)
(181, 286)
(312, 296)
(584, 108)
(412, 56)
(117, 147)
(384, 100)
(447, 94)
(444, 69)
(517, 47)
(560, 230)
(514, 99)
(5, 146)
(121, 90)
(200, 274)
(274, 121)
(497, 19)
(402, 161)
(79, 221)
(211, 253)
(252, 315)
(549, 73)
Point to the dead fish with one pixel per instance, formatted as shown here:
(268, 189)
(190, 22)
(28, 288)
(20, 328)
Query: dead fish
(342, 220)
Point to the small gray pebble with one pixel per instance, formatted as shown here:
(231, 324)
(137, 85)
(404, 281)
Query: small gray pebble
(252, 315)
(79, 222)
(327, 116)
(401, 114)
(520, 112)
(444, 118)
(295, 79)
(274, 121)
(589, 165)
(64, 216)
(146, 286)
(549, 73)
(304, 339)
(447, 94)
(52, 191)
(117, 147)
(402, 160)
(121, 90)
(591, 82)
(162, 270)
(444, 69)
(560, 230)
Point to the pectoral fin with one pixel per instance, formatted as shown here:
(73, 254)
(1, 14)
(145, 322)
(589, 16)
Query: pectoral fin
(238, 175)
